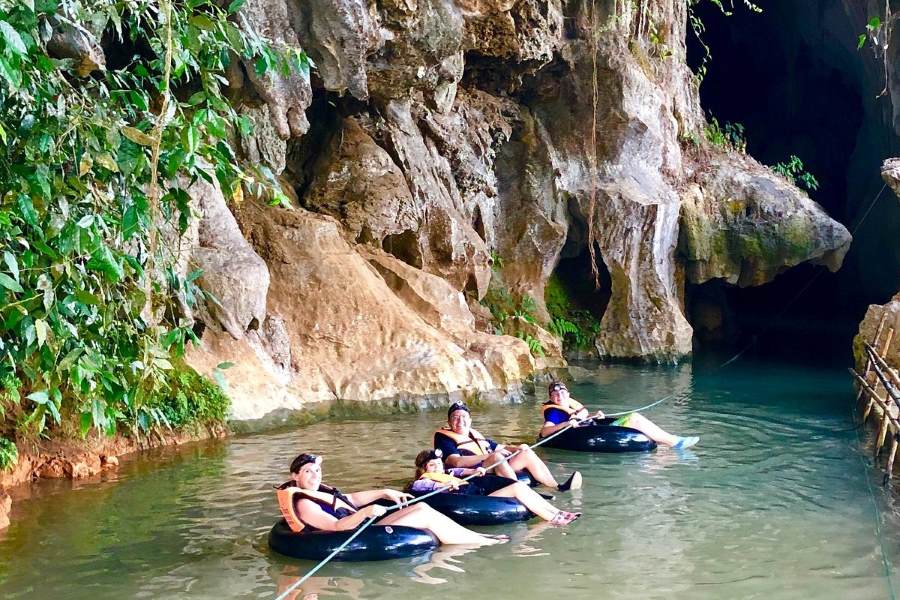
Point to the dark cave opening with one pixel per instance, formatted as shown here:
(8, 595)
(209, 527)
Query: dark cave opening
(793, 77)
(573, 274)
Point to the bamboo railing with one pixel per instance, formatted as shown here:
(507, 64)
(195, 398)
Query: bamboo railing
(879, 392)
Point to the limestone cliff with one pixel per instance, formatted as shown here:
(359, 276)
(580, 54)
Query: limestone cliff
(436, 136)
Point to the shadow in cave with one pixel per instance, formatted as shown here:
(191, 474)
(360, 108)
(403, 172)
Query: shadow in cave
(793, 78)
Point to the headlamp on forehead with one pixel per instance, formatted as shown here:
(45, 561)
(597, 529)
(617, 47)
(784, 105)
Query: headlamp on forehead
(557, 386)
(455, 407)
(425, 456)
(305, 459)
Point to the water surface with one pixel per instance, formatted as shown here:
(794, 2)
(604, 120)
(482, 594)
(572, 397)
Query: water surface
(777, 501)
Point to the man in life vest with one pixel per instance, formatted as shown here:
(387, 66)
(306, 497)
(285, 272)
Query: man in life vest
(561, 411)
(463, 446)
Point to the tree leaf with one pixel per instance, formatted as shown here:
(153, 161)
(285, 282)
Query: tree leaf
(85, 423)
(102, 260)
(13, 39)
(39, 397)
(40, 327)
(162, 363)
(130, 222)
(11, 264)
(106, 160)
(85, 164)
(137, 136)
(10, 283)
(26, 207)
(12, 75)
(85, 221)
(54, 410)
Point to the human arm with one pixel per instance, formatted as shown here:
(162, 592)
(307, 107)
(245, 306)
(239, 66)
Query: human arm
(479, 471)
(459, 461)
(370, 496)
(312, 514)
(555, 420)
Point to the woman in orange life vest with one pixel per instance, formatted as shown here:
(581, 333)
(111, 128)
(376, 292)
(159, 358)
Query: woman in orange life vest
(561, 410)
(309, 505)
(430, 475)
(465, 447)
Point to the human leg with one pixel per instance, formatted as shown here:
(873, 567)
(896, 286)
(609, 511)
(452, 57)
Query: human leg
(422, 516)
(531, 499)
(657, 433)
(532, 463)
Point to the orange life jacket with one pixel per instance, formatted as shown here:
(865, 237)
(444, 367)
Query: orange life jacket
(573, 409)
(287, 502)
(443, 478)
(475, 442)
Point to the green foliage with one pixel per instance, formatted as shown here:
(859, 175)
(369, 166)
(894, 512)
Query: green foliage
(510, 313)
(187, 399)
(794, 171)
(534, 344)
(730, 136)
(496, 261)
(78, 216)
(9, 454)
(576, 327)
(873, 27)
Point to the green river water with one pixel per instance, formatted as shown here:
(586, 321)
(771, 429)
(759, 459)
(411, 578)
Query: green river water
(777, 501)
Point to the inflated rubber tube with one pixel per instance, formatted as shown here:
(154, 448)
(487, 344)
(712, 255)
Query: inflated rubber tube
(602, 436)
(468, 509)
(377, 542)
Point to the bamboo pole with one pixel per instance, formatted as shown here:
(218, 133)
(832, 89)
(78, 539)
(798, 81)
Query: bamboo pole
(859, 394)
(888, 419)
(887, 344)
(889, 467)
(882, 432)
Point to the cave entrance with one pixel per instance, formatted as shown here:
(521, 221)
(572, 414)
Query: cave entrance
(571, 289)
(792, 77)
(786, 319)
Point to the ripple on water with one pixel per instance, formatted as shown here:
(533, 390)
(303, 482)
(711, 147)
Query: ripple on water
(773, 503)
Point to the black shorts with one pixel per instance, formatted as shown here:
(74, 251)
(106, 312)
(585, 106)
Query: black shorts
(485, 485)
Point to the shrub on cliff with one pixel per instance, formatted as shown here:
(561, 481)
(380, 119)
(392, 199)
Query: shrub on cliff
(93, 166)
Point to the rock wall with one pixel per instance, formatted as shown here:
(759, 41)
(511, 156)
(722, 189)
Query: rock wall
(438, 135)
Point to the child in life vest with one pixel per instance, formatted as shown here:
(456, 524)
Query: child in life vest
(430, 475)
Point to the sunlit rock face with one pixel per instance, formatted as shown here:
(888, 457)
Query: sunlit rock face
(436, 138)
(356, 324)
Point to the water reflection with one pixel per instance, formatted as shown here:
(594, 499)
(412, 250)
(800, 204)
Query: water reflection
(773, 503)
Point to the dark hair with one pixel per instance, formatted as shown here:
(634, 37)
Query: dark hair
(455, 407)
(424, 456)
(303, 459)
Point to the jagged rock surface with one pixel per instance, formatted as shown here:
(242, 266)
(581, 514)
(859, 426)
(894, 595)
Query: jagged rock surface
(474, 129)
(744, 224)
(890, 172)
(869, 326)
(353, 331)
